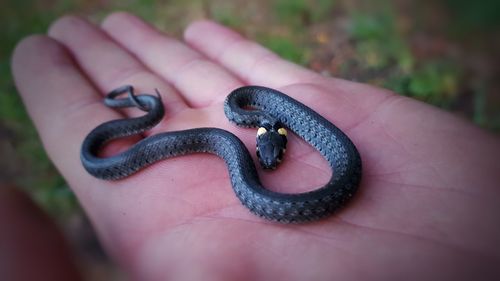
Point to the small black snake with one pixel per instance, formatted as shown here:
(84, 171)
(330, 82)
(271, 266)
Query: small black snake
(250, 106)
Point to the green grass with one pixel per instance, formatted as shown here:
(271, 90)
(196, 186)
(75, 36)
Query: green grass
(474, 16)
(286, 47)
(225, 14)
(382, 48)
(298, 13)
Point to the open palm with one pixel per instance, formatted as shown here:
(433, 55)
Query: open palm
(427, 205)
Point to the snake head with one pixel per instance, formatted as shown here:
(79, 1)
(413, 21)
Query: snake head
(271, 145)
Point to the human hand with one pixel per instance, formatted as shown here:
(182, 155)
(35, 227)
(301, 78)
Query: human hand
(427, 207)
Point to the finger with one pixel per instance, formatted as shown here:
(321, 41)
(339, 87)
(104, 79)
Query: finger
(62, 103)
(250, 61)
(199, 80)
(108, 65)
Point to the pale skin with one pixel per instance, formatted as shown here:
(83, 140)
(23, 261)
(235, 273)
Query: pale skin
(427, 208)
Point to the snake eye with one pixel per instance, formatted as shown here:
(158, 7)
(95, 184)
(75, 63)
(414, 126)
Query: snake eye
(282, 131)
(261, 131)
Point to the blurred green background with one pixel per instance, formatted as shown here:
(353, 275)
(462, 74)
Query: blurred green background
(442, 52)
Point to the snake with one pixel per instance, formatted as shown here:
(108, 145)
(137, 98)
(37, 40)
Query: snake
(269, 110)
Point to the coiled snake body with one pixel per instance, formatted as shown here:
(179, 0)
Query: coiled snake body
(250, 106)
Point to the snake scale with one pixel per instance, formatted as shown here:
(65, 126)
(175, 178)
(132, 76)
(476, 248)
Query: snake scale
(249, 106)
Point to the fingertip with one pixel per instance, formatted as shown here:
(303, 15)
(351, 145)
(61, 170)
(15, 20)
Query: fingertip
(119, 18)
(197, 25)
(34, 53)
(58, 27)
(200, 28)
(127, 27)
(27, 45)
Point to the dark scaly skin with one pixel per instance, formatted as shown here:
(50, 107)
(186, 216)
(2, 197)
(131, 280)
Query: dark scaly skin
(269, 106)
